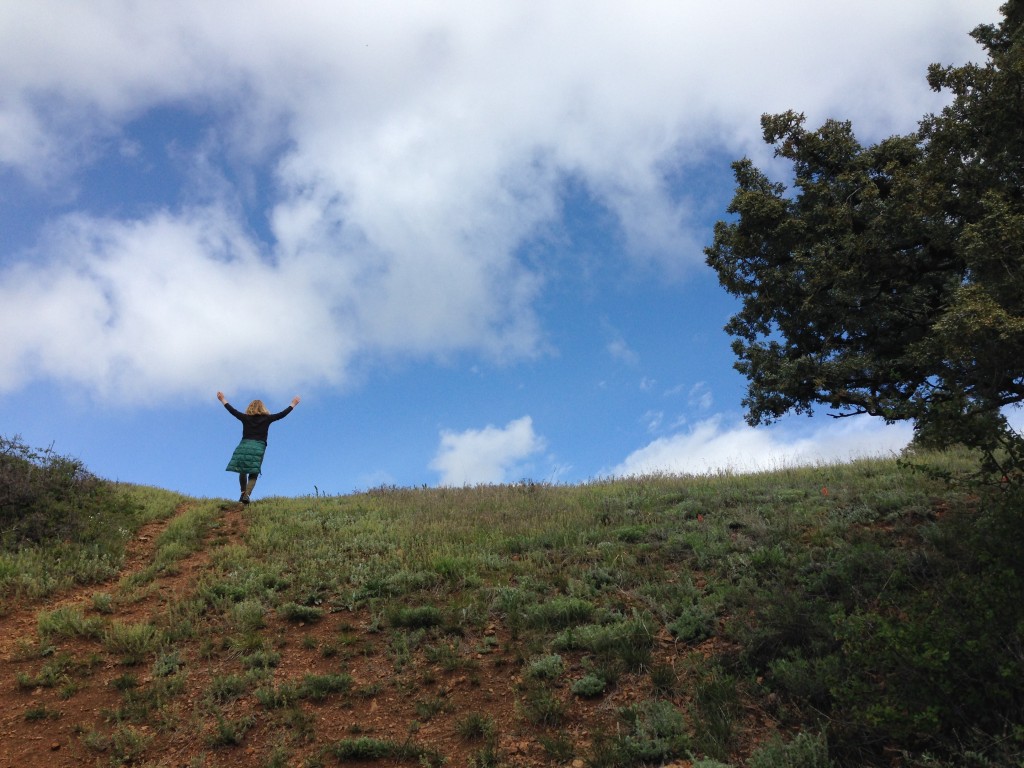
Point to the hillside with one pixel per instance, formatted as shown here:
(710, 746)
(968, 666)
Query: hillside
(862, 614)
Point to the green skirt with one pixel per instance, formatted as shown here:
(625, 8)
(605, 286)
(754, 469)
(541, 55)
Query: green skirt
(248, 457)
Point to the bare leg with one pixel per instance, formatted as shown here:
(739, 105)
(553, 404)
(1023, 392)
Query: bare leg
(251, 484)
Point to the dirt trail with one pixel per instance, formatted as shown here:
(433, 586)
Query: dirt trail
(42, 725)
(19, 620)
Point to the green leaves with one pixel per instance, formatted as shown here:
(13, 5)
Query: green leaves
(889, 279)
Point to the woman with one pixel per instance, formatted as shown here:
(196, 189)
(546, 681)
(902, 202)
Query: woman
(247, 460)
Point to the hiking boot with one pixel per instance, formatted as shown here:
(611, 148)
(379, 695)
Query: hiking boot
(244, 499)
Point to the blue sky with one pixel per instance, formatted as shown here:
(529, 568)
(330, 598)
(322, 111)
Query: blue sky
(468, 234)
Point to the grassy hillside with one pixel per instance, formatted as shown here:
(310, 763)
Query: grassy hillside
(863, 614)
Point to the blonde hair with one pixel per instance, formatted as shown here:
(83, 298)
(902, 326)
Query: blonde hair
(257, 408)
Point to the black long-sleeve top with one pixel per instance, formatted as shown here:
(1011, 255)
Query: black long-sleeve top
(256, 427)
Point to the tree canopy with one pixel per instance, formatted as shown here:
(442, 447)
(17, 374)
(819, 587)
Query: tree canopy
(889, 279)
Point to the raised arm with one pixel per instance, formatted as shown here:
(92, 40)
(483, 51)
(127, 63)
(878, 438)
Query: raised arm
(295, 401)
(220, 396)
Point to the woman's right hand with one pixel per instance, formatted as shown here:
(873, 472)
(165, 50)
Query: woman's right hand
(220, 396)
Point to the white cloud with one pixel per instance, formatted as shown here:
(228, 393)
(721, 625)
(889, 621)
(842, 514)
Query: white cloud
(171, 304)
(711, 445)
(488, 455)
(425, 143)
(700, 397)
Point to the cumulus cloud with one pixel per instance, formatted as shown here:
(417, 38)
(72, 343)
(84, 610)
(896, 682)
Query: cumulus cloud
(713, 445)
(423, 144)
(172, 303)
(178, 302)
(488, 455)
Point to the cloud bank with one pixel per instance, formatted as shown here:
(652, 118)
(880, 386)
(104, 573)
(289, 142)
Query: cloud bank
(714, 446)
(488, 455)
(411, 150)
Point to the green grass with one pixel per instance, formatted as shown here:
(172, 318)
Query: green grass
(365, 748)
(182, 536)
(669, 617)
(66, 623)
(132, 642)
(58, 671)
(311, 687)
(319, 687)
(626, 641)
(95, 552)
(415, 617)
(300, 613)
(125, 745)
(476, 727)
(228, 732)
(652, 731)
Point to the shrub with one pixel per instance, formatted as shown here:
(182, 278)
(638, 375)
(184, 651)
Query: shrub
(589, 686)
(300, 613)
(805, 750)
(67, 622)
(56, 671)
(275, 698)
(714, 707)
(664, 679)
(791, 621)
(546, 667)
(128, 744)
(227, 732)
(806, 680)
(486, 757)
(261, 659)
(46, 496)
(415, 618)
(560, 613)
(446, 655)
(167, 663)
(103, 602)
(226, 688)
(948, 653)
(512, 603)
(426, 708)
(248, 615)
(40, 712)
(693, 625)
(475, 727)
(542, 707)
(653, 732)
(132, 642)
(366, 748)
(559, 747)
(628, 641)
(319, 687)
